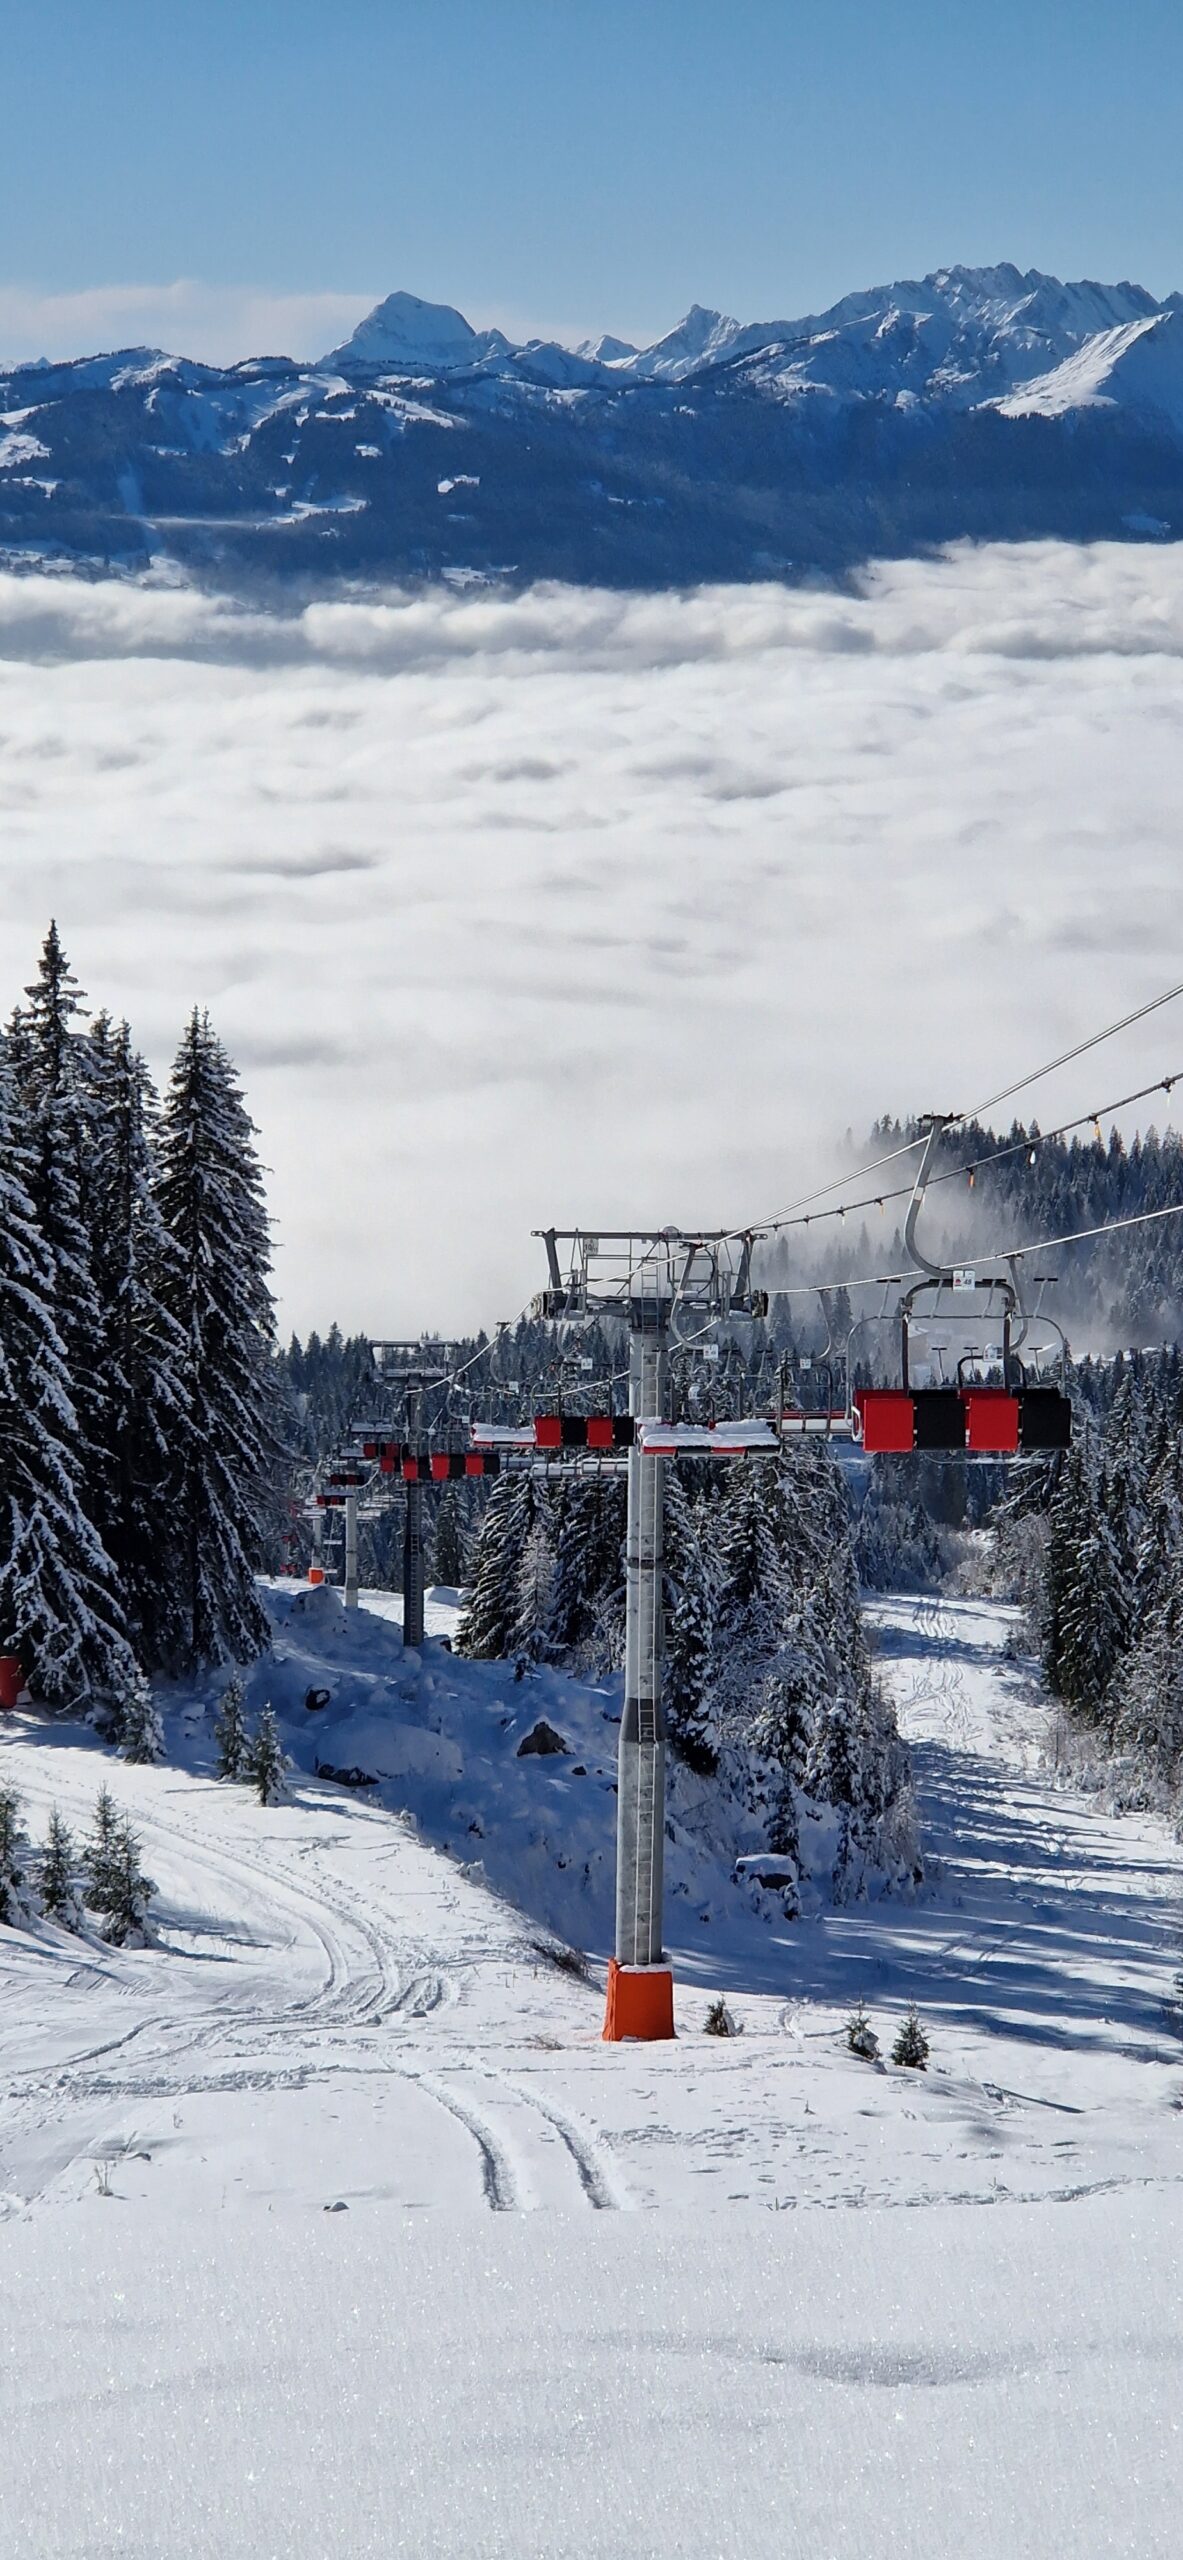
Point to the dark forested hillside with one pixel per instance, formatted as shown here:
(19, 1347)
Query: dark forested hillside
(993, 1189)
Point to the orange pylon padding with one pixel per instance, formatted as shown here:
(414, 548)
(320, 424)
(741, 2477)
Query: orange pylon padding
(640, 2003)
(316, 1573)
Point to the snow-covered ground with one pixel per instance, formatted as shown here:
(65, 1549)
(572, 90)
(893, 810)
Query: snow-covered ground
(493, 2349)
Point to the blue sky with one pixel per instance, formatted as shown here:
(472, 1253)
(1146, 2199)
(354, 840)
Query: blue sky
(255, 171)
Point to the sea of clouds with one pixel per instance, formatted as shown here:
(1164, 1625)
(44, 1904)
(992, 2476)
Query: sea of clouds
(580, 906)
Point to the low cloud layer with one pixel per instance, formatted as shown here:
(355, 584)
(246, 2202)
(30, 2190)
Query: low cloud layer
(599, 907)
(218, 324)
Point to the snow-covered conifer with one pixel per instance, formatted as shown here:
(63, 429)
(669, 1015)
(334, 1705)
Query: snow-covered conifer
(12, 1844)
(860, 2035)
(688, 1649)
(448, 1544)
(100, 1852)
(1146, 1704)
(56, 1883)
(833, 1776)
(792, 1696)
(486, 1624)
(586, 1615)
(209, 1195)
(126, 1890)
(139, 1732)
(58, 1611)
(46, 1050)
(232, 1733)
(529, 1541)
(267, 1762)
(1070, 1516)
(1087, 1606)
(911, 2046)
(143, 1390)
(750, 1594)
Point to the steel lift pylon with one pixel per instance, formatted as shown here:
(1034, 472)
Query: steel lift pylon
(666, 1286)
(413, 1367)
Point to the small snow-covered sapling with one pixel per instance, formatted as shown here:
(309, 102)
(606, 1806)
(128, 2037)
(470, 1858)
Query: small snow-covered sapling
(911, 2045)
(719, 2021)
(861, 2036)
(267, 1760)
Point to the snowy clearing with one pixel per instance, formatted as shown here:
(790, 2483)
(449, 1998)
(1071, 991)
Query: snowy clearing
(494, 2348)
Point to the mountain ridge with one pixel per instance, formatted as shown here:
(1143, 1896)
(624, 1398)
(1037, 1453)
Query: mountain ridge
(976, 402)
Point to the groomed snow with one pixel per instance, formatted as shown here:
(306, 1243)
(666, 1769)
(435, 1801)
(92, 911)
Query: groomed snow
(576, 2301)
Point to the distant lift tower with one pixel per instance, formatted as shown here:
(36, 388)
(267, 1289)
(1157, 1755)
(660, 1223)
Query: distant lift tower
(668, 1288)
(413, 1366)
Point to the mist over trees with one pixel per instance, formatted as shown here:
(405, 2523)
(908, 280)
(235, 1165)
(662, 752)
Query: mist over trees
(1015, 1186)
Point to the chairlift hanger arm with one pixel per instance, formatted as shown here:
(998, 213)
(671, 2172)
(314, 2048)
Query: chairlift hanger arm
(938, 1122)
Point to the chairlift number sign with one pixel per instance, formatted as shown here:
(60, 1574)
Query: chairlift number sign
(965, 1279)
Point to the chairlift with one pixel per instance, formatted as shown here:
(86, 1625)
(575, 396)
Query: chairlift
(988, 1400)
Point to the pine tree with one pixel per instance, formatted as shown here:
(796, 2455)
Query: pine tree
(100, 1855)
(1092, 1602)
(59, 1897)
(485, 1630)
(861, 2036)
(11, 1845)
(47, 1049)
(833, 1777)
(911, 2045)
(1069, 1519)
(231, 1732)
(448, 1544)
(750, 1594)
(126, 1890)
(139, 1732)
(587, 1591)
(793, 1696)
(210, 1198)
(1147, 1697)
(267, 1761)
(529, 1543)
(58, 1611)
(688, 1647)
(142, 1384)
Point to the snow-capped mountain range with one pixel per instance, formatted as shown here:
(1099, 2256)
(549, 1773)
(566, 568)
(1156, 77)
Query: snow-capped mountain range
(977, 401)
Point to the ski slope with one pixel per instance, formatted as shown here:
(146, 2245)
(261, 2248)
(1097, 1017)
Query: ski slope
(330, 2225)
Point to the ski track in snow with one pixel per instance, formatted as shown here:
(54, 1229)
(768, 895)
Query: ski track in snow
(328, 1988)
(484, 2356)
(372, 1976)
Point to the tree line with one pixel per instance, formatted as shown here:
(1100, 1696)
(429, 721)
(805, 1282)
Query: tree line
(137, 1436)
(1094, 1546)
(1012, 1186)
